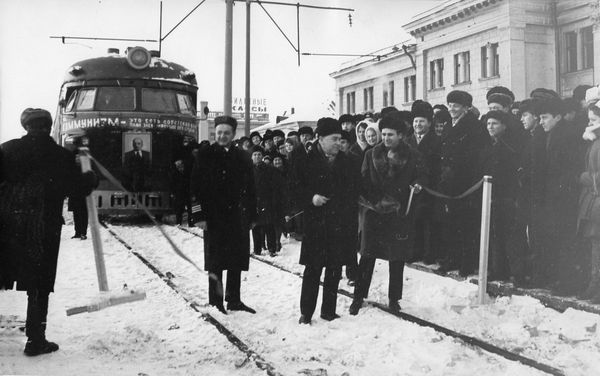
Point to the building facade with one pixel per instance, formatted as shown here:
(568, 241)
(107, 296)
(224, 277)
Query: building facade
(474, 45)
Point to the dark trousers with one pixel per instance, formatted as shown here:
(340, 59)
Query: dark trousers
(310, 290)
(352, 268)
(427, 239)
(37, 312)
(80, 219)
(461, 230)
(258, 237)
(365, 269)
(215, 287)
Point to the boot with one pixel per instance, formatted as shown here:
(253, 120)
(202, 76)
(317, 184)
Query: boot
(355, 306)
(39, 347)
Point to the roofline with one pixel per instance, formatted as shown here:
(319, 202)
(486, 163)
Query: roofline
(442, 15)
(393, 52)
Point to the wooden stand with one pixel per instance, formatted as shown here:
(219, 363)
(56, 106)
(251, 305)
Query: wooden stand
(106, 298)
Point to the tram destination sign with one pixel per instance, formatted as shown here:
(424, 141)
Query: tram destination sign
(134, 122)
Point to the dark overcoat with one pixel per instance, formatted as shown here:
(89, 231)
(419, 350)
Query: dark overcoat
(329, 230)
(222, 183)
(270, 200)
(462, 146)
(389, 236)
(429, 147)
(37, 175)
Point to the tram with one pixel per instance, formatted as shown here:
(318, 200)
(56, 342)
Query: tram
(138, 113)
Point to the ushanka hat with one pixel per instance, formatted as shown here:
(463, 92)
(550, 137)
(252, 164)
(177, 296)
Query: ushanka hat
(395, 121)
(255, 133)
(461, 97)
(278, 132)
(226, 120)
(305, 130)
(502, 99)
(422, 109)
(36, 117)
(346, 118)
(502, 91)
(327, 126)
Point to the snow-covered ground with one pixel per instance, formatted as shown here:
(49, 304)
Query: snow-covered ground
(163, 336)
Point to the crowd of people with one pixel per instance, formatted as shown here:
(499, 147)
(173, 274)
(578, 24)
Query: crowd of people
(404, 186)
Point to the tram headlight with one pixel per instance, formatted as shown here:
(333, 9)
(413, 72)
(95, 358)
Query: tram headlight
(138, 57)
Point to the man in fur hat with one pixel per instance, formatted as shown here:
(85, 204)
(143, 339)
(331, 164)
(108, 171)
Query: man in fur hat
(36, 176)
(462, 145)
(222, 182)
(428, 144)
(390, 169)
(327, 185)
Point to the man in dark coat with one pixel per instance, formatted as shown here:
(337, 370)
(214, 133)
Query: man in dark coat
(326, 187)
(556, 205)
(269, 203)
(389, 169)
(222, 182)
(37, 175)
(461, 168)
(427, 226)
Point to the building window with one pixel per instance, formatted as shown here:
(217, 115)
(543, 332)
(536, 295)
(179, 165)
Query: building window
(385, 95)
(391, 93)
(571, 49)
(350, 102)
(436, 73)
(462, 67)
(587, 46)
(490, 60)
(410, 88)
(368, 99)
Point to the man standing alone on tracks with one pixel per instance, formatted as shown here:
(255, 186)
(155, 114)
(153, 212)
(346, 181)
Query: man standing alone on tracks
(35, 177)
(327, 186)
(222, 182)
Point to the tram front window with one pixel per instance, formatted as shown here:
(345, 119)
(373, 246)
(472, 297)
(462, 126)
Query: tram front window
(115, 99)
(156, 100)
(185, 104)
(85, 100)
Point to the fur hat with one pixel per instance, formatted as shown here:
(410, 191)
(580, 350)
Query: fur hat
(500, 98)
(36, 117)
(387, 110)
(500, 90)
(592, 95)
(460, 97)
(543, 94)
(267, 136)
(292, 133)
(440, 107)
(552, 106)
(529, 105)
(422, 109)
(305, 130)
(278, 132)
(226, 120)
(327, 126)
(395, 121)
(255, 133)
(346, 118)
(501, 116)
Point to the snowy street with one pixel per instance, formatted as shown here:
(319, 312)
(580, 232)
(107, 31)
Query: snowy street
(163, 335)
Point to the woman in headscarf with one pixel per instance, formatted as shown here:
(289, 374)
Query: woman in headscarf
(372, 135)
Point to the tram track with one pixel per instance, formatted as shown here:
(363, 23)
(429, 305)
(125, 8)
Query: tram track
(471, 341)
(251, 355)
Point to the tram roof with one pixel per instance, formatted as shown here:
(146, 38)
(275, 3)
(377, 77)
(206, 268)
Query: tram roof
(117, 67)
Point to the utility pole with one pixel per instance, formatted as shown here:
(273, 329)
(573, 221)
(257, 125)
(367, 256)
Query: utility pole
(247, 93)
(228, 57)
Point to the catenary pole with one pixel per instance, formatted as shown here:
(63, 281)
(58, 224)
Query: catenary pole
(485, 237)
(247, 93)
(228, 57)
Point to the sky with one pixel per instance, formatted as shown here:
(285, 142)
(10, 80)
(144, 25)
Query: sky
(32, 65)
